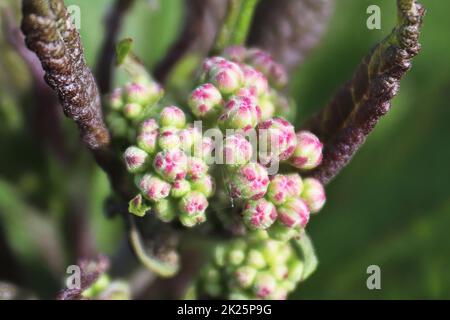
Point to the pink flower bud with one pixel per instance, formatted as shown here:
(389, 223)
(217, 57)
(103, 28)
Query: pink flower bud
(236, 151)
(213, 62)
(284, 187)
(147, 141)
(235, 53)
(205, 185)
(169, 138)
(240, 113)
(171, 164)
(264, 62)
(265, 285)
(180, 188)
(115, 99)
(135, 159)
(259, 214)
(267, 107)
(294, 213)
(205, 101)
(153, 188)
(249, 182)
(207, 148)
(255, 79)
(244, 276)
(132, 110)
(227, 76)
(278, 75)
(196, 168)
(313, 194)
(277, 140)
(149, 126)
(188, 137)
(172, 117)
(191, 221)
(143, 94)
(308, 152)
(193, 204)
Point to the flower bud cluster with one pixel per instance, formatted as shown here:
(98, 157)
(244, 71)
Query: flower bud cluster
(128, 105)
(170, 170)
(231, 98)
(260, 268)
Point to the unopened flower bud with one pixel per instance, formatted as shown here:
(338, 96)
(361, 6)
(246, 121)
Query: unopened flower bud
(143, 94)
(165, 210)
(219, 254)
(132, 110)
(296, 268)
(244, 276)
(256, 259)
(264, 285)
(171, 164)
(235, 53)
(284, 187)
(259, 214)
(267, 107)
(205, 185)
(138, 206)
(227, 77)
(236, 256)
(196, 168)
(264, 62)
(191, 221)
(136, 159)
(279, 271)
(313, 194)
(180, 188)
(279, 294)
(294, 213)
(169, 138)
(172, 117)
(277, 140)
(213, 62)
(278, 75)
(147, 141)
(278, 231)
(212, 281)
(308, 152)
(236, 150)
(240, 113)
(193, 204)
(255, 79)
(115, 99)
(249, 182)
(153, 188)
(206, 101)
(149, 126)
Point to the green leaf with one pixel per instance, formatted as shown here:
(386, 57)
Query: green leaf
(123, 50)
(306, 251)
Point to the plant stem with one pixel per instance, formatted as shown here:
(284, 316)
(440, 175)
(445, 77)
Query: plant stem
(237, 24)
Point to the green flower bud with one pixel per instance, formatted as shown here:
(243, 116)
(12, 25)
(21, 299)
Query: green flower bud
(136, 159)
(296, 268)
(279, 271)
(212, 282)
(220, 255)
(165, 210)
(280, 232)
(169, 138)
(115, 99)
(205, 185)
(132, 111)
(236, 256)
(138, 206)
(265, 284)
(244, 276)
(147, 141)
(180, 188)
(314, 194)
(172, 117)
(256, 259)
(190, 221)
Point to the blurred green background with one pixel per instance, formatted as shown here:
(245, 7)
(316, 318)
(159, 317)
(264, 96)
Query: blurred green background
(390, 207)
